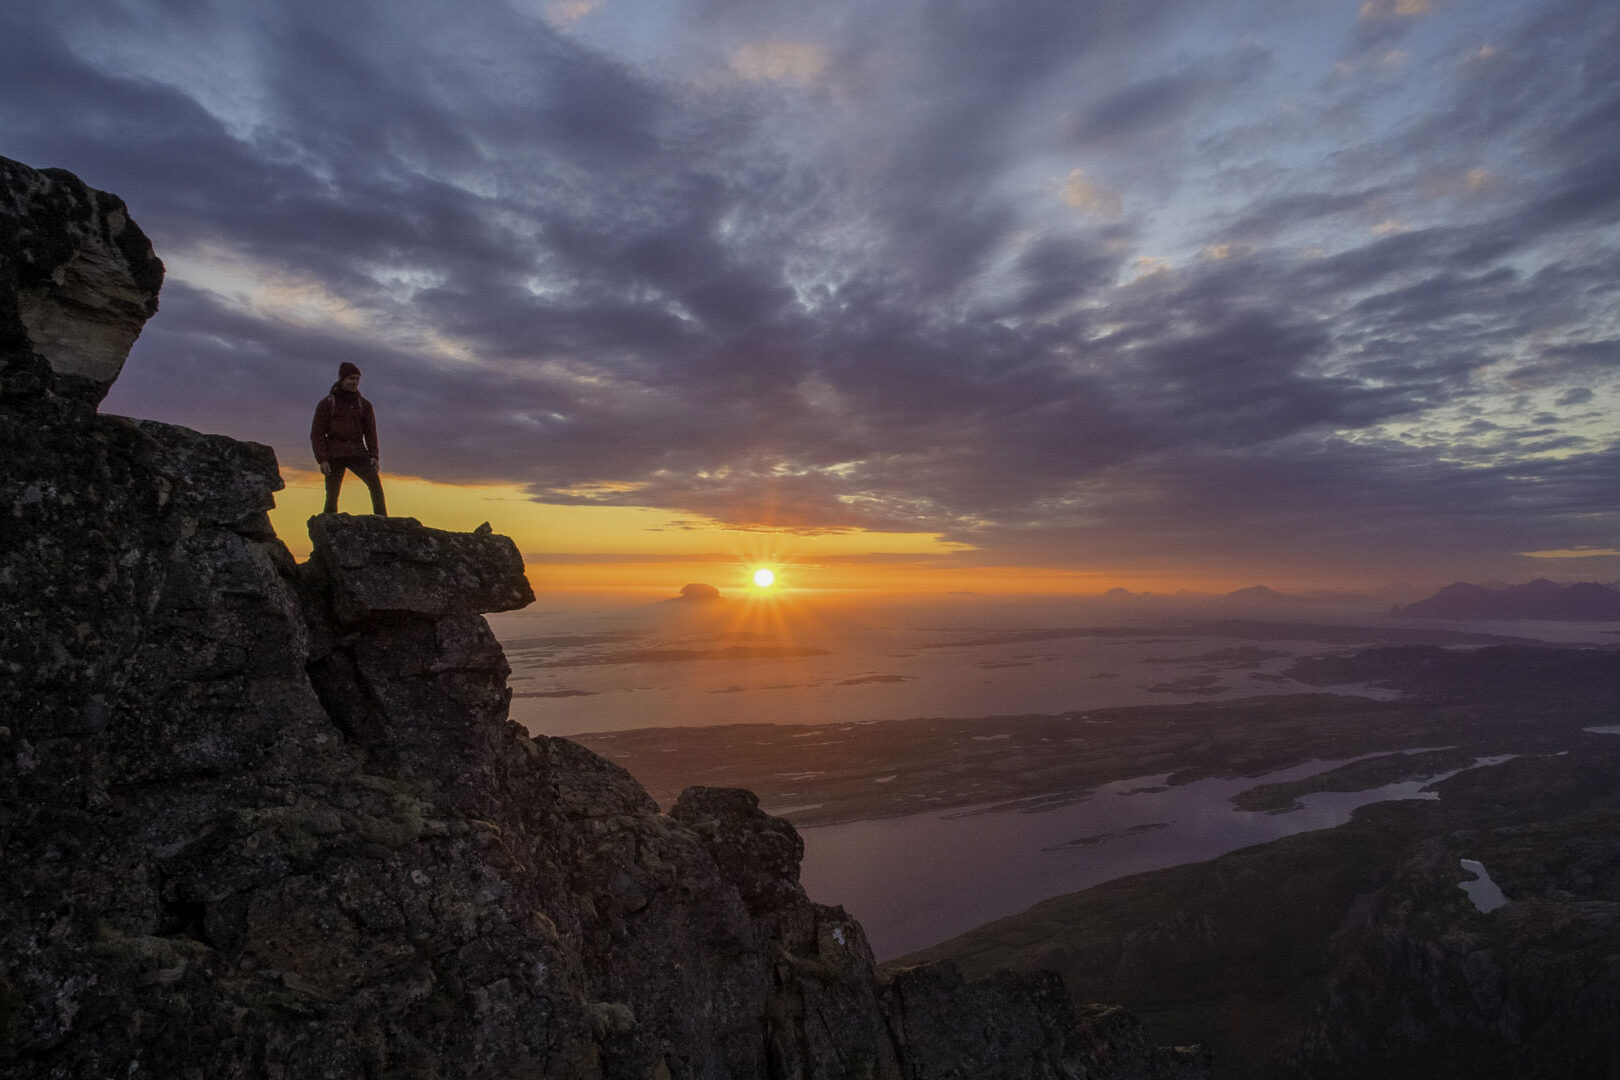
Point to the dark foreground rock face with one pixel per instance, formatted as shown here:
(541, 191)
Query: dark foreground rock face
(262, 819)
(1018, 1026)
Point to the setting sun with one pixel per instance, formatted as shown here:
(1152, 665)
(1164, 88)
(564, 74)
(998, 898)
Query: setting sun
(764, 578)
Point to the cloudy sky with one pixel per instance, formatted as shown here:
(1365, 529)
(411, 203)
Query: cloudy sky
(1257, 290)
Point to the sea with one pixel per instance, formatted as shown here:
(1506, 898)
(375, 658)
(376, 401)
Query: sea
(912, 881)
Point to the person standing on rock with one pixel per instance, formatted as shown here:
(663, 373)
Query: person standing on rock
(344, 436)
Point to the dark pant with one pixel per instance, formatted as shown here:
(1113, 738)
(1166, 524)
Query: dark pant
(362, 467)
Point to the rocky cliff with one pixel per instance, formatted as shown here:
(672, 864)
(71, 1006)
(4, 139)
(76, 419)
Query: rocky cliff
(269, 819)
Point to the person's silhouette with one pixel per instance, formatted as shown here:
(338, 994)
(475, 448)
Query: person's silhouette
(344, 436)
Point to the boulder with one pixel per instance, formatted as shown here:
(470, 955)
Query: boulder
(78, 280)
(380, 567)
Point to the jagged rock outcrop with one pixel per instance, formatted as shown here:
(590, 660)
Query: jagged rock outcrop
(263, 819)
(78, 280)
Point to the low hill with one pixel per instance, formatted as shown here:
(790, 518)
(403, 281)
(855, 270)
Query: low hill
(1586, 601)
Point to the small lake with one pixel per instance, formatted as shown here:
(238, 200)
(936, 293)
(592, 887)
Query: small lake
(1485, 893)
(917, 880)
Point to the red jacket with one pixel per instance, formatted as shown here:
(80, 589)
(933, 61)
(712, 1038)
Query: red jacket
(345, 426)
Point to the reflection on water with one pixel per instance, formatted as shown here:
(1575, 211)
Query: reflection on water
(914, 881)
(580, 676)
(807, 659)
(803, 661)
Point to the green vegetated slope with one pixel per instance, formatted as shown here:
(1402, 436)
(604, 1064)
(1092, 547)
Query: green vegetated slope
(1231, 952)
(1353, 952)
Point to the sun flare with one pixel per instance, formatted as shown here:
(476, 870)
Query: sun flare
(764, 578)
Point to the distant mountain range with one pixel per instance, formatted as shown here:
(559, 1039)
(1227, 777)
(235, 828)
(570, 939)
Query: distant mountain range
(1261, 594)
(1253, 595)
(1587, 601)
(1539, 599)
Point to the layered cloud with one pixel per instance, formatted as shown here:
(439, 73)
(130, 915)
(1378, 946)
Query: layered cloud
(1166, 284)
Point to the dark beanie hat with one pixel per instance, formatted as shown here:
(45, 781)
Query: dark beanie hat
(346, 369)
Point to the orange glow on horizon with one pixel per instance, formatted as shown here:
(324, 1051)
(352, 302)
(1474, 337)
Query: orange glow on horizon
(734, 578)
(623, 551)
(546, 529)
